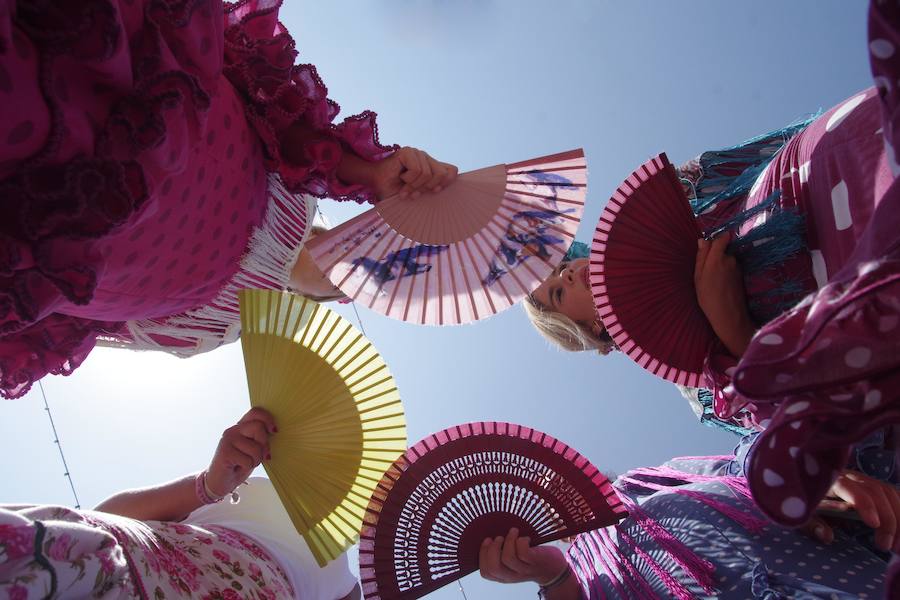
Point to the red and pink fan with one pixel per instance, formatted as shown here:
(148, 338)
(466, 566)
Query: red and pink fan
(462, 254)
(642, 274)
(428, 516)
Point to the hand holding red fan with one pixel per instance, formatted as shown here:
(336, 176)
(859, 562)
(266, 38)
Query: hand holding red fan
(438, 502)
(642, 274)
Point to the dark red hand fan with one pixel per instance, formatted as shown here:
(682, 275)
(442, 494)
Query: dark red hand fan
(642, 274)
(428, 516)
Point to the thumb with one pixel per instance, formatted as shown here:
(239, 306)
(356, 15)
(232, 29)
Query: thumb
(819, 529)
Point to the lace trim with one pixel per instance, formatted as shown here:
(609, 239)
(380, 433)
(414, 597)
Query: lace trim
(288, 106)
(272, 251)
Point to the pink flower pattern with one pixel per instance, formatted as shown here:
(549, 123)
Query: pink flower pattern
(94, 554)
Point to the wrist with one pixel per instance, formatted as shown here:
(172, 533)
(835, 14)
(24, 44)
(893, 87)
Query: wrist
(202, 490)
(355, 170)
(554, 568)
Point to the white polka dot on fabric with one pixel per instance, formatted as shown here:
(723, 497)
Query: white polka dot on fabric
(773, 441)
(873, 399)
(783, 378)
(882, 83)
(811, 464)
(796, 425)
(887, 323)
(772, 479)
(841, 113)
(881, 48)
(793, 451)
(858, 357)
(793, 507)
(840, 206)
(820, 270)
(841, 397)
(771, 339)
(796, 407)
(803, 172)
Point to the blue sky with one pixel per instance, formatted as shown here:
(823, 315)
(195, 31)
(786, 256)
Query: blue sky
(479, 83)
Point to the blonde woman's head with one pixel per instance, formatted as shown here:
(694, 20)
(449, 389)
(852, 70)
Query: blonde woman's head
(562, 310)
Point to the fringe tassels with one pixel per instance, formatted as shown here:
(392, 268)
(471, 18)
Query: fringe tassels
(271, 253)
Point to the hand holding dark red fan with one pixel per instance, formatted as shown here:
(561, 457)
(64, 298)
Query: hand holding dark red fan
(435, 506)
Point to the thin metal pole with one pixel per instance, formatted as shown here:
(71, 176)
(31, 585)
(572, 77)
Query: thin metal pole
(59, 445)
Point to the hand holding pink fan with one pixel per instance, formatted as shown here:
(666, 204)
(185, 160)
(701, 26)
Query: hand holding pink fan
(464, 253)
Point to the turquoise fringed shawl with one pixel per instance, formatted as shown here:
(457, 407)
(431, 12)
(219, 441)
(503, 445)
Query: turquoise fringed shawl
(729, 175)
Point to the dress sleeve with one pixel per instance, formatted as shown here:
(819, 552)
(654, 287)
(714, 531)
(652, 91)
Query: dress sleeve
(288, 106)
(830, 367)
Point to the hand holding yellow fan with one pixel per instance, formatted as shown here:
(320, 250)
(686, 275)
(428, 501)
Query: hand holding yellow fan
(338, 411)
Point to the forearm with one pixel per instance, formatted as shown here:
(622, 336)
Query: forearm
(355, 170)
(171, 501)
(737, 336)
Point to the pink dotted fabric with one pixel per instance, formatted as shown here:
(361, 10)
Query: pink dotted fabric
(133, 168)
(829, 369)
(835, 173)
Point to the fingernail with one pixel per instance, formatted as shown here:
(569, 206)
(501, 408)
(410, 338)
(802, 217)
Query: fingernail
(820, 532)
(514, 531)
(486, 541)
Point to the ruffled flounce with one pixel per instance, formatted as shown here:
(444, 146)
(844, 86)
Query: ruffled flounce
(122, 87)
(289, 108)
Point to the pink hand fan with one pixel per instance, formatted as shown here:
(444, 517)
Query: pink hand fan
(428, 516)
(642, 274)
(462, 254)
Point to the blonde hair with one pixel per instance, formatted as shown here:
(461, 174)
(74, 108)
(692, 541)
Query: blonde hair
(563, 331)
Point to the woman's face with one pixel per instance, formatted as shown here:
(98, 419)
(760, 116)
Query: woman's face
(568, 291)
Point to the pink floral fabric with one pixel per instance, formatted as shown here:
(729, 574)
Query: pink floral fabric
(57, 552)
(133, 170)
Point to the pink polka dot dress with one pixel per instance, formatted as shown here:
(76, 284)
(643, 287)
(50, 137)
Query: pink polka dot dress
(157, 158)
(826, 373)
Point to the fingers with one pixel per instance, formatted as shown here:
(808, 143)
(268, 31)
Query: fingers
(876, 502)
(700, 263)
(509, 555)
(260, 414)
(720, 244)
(422, 172)
(416, 171)
(856, 495)
(819, 529)
(489, 559)
(256, 431)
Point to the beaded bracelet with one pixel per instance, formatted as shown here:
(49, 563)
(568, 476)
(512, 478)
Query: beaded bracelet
(204, 495)
(555, 582)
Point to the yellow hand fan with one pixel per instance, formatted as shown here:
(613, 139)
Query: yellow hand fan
(340, 420)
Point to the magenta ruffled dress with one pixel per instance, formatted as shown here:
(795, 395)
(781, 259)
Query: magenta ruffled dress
(154, 158)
